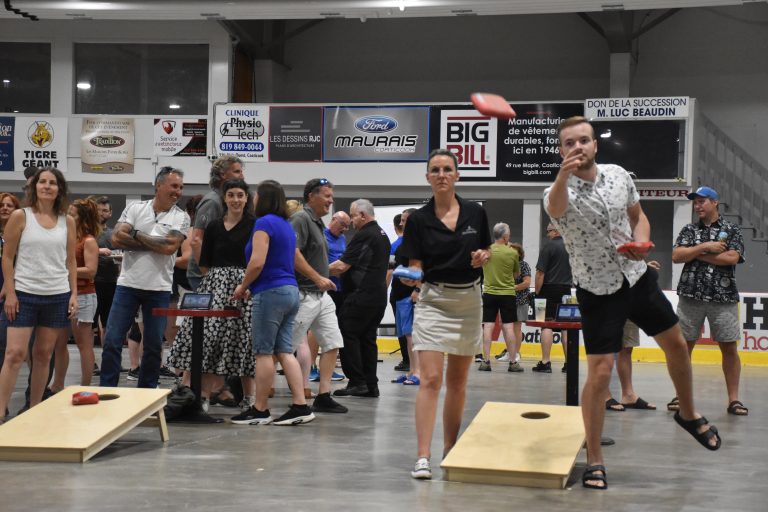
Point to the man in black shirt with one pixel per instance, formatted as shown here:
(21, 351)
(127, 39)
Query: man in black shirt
(553, 280)
(364, 283)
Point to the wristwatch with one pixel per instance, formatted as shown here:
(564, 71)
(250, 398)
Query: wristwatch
(134, 233)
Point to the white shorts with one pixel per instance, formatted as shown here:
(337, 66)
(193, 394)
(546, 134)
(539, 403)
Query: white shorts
(86, 308)
(317, 313)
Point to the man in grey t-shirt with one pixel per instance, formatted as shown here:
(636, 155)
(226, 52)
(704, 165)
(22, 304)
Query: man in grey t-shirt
(211, 208)
(317, 311)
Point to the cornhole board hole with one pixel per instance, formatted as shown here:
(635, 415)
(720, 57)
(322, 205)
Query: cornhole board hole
(529, 445)
(57, 431)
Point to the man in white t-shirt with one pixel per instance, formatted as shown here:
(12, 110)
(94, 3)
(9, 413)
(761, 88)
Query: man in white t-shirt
(150, 232)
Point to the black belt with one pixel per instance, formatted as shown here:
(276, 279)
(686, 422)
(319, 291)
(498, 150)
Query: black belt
(454, 286)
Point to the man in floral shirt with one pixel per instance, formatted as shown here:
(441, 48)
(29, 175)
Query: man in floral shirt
(596, 208)
(710, 249)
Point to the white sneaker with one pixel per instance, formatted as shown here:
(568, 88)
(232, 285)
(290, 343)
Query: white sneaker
(503, 357)
(422, 470)
(517, 357)
(205, 405)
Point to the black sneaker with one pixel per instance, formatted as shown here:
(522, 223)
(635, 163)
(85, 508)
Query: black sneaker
(96, 371)
(167, 373)
(500, 357)
(133, 373)
(296, 415)
(565, 368)
(402, 366)
(252, 416)
(361, 391)
(324, 403)
(479, 358)
(543, 367)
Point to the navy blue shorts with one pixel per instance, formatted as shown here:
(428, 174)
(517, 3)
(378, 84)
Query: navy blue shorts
(41, 310)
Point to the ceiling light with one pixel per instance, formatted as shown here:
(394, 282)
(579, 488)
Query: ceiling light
(6, 81)
(401, 5)
(606, 134)
(612, 7)
(83, 86)
(174, 106)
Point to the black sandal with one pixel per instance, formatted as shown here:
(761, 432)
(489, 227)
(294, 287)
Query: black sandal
(591, 473)
(737, 408)
(673, 405)
(691, 427)
(612, 403)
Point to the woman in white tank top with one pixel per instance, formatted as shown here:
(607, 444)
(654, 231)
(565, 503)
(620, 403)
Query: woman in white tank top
(40, 291)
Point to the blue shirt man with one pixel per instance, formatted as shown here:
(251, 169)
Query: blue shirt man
(337, 242)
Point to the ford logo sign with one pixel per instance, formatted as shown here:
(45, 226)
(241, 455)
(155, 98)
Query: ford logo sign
(376, 124)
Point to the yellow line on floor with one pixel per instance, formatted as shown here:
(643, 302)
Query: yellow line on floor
(701, 354)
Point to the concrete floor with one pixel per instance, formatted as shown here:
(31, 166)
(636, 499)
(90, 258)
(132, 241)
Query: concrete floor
(361, 460)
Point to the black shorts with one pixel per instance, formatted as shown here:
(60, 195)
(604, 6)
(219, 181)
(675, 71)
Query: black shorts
(554, 295)
(505, 305)
(604, 316)
(105, 293)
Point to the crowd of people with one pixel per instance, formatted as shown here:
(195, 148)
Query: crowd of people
(307, 296)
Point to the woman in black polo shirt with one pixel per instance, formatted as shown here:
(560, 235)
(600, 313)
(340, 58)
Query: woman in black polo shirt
(448, 240)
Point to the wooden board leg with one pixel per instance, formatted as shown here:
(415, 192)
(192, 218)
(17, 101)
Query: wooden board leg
(164, 437)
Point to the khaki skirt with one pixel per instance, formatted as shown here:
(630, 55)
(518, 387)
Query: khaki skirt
(448, 317)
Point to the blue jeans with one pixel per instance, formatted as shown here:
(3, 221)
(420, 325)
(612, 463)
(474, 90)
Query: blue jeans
(272, 317)
(124, 307)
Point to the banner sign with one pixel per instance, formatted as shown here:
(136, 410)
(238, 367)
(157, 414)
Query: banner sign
(107, 145)
(666, 107)
(241, 130)
(663, 194)
(528, 146)
(7, 127)
(180, 137)
(394, 134)
(41, 142)
(472, 137)
(295, 134)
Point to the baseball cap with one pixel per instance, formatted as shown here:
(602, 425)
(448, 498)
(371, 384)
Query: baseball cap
(707, 192)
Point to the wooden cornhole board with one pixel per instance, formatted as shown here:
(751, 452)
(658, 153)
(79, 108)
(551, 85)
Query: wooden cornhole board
(57, 431)
(501, 446)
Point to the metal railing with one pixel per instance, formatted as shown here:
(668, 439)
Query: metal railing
(741, 181)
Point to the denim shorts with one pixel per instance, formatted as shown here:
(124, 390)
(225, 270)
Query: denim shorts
(404, 316)
(41, 310)
(86, 307)
(272, 318)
